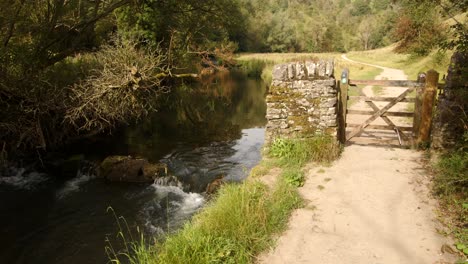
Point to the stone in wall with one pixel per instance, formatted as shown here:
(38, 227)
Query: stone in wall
(452, 107)
(302, 100)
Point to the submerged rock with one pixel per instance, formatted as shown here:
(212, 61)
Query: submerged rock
(214, 186)
(129, 169)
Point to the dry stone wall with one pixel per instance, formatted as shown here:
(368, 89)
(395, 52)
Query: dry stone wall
(302, 100)
(451, 113)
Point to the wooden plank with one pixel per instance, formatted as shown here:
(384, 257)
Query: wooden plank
(377, 114)
(382, 127)
(428, 101)
(388, 121)
(362, 112)
(381, 99)
(388, 83)
(343, 88)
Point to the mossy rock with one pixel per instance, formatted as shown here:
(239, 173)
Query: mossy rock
(129, 169)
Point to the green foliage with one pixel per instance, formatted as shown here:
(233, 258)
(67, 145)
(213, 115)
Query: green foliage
(298, 151)
(294, 177)
(263, 168)
(187, 29)
(360, 8)
(456, 12)
(253, 68)
(452, 176)
(463, 248)
(419, 29)
(34, 34)
(451, 184)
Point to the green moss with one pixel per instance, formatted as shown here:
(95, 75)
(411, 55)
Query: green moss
(302, 121)
(279, 90)
(330, 130)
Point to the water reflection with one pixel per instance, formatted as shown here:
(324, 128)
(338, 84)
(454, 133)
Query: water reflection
(196, 115)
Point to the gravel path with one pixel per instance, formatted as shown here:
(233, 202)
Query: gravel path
(370, 206)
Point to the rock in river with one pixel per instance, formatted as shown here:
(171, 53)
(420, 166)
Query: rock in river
(129, 169)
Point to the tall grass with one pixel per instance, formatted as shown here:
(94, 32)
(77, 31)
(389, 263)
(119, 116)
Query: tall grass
(451, 185)
(125, 248)
(452, 176)
(295, 152)
(253, 68)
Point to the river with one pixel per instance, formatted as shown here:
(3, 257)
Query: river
(201, 131)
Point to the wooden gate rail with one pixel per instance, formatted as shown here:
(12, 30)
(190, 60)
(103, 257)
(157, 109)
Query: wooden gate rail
(381, 99)
(364, 112)
(390, 83)
(383, 127)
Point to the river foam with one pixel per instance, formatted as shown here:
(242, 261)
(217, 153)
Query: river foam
(21, 178)
(175, 205)
(74, 184)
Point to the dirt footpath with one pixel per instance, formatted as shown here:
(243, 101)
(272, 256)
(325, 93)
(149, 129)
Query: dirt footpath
(371, 206)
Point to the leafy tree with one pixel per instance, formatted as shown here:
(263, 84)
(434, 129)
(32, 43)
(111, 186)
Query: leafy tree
(37, 34)
(184, 26)
(418, 29)
(360, 8)
(458, 39)
(365, 31)
(429, 12)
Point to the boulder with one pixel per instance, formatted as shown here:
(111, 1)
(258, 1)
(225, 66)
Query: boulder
(129, 169)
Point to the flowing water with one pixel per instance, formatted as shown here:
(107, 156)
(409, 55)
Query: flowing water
(202, 131)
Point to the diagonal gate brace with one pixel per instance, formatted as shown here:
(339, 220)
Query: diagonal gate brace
(376, 115)
(388, 121)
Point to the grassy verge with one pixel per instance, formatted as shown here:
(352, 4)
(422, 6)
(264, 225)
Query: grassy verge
(243, 219)
(377, 90)
(451, 186)
(409, 64)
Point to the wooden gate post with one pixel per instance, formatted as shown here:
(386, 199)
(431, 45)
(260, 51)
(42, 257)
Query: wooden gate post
(418, 100)
(428, 99)
(343, 84)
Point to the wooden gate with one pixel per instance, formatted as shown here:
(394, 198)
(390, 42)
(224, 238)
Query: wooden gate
(415, 133)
